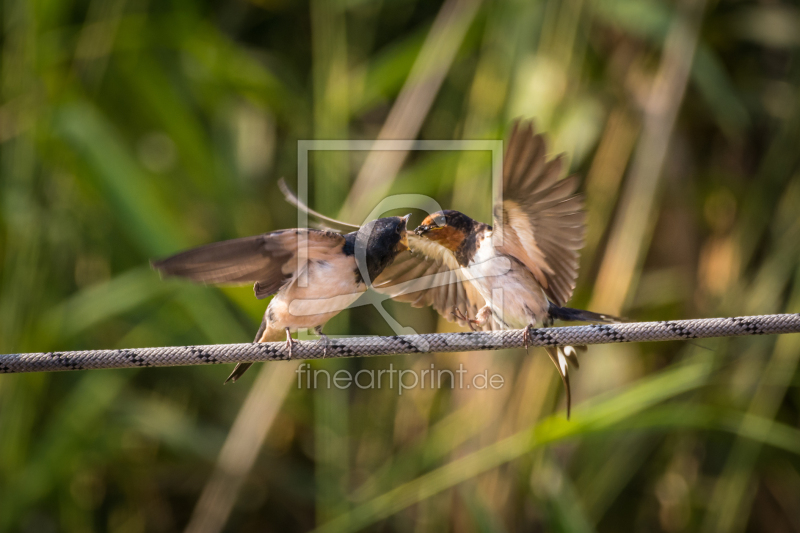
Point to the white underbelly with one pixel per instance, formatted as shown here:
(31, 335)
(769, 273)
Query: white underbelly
(330, 289)
(510, 290)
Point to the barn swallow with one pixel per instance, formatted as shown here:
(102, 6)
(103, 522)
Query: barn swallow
(418, 275)
(456, 264)
(539, 227)
(331, 277)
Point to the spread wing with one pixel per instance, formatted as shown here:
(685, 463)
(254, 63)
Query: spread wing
(428, 274)
(268, 260)
(541, 221)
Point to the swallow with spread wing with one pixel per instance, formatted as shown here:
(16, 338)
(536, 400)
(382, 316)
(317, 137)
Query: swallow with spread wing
(307, 293)
(517, 274)
(539, 227)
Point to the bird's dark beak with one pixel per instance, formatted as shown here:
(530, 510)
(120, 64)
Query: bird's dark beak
(422, 230)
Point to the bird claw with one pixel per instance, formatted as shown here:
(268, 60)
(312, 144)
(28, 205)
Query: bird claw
(461, 316)
(323, 339)
(527, 339)
(290, 342)
(326, 342)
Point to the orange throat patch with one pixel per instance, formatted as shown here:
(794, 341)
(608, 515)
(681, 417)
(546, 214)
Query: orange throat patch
(447, 236)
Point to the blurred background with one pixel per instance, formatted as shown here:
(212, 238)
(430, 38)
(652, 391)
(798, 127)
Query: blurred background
(131, 130)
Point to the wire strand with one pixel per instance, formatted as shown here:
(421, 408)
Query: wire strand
(672, 330)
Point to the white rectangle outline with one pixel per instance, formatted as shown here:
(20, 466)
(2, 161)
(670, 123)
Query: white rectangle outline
(304, 146)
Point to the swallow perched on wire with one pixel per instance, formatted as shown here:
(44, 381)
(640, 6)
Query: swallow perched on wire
(307, 292)
(420, 275)
(539, 228)
(517, 274)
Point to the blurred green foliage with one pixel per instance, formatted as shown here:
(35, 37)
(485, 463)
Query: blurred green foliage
(131, 130)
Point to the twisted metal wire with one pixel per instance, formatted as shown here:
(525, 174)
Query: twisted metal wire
(404, 344)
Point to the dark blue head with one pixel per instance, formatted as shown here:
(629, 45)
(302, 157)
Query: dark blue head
(387, 238)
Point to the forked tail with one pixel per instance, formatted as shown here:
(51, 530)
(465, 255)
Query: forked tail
(561, 355)
(579, 315)
(264, 334)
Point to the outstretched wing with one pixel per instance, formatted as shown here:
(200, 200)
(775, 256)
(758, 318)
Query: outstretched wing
(268, 260)
(428, 274)
(541, 221)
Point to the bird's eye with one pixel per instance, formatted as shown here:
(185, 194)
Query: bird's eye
(399, 230)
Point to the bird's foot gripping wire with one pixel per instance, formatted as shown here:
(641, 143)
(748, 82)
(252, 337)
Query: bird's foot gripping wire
(461, 316)
(290, 342)
(526, 336)
(323, 339)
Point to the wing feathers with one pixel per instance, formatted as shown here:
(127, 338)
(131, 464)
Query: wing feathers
(543, 222)
(234, 261)
(267, 260)
(428, 275)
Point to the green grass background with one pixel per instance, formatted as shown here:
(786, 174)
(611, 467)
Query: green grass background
(131, 129)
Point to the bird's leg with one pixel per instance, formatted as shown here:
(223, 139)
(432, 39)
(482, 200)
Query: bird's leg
(526, 336)
(323, 338)
(461, 316)
(484, 314)
(289, 341)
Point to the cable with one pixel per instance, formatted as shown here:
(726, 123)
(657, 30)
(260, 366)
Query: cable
(700, 328)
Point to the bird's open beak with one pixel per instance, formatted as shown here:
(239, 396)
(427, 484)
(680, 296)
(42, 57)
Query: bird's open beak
(422, 230)
(403, 244)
